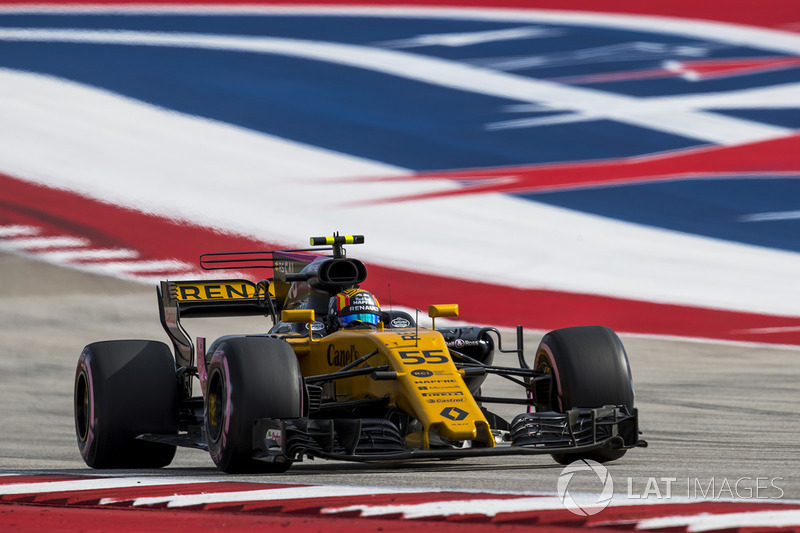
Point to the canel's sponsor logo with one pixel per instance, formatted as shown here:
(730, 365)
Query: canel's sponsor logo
(338, 356)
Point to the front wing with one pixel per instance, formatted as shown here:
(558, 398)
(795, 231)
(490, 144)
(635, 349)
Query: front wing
(366, 440)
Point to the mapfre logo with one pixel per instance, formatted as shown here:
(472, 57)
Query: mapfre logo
(361, 298)
(585, 487)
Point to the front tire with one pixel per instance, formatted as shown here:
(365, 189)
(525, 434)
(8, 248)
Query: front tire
(248, 378)
(123, 389)
(589, 368)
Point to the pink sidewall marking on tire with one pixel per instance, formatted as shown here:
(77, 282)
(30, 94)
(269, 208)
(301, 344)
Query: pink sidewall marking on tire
(556, 376)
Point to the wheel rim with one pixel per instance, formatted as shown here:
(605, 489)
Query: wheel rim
(214, 408)
(543, 365)
(82, 407)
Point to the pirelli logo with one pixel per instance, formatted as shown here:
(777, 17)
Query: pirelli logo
(216, 290)
(444, 393)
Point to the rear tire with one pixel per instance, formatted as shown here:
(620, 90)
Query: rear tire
(123, 389)
(248, 378)
(590, 369)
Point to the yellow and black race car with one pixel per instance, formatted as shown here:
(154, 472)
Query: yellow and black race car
(336, 377)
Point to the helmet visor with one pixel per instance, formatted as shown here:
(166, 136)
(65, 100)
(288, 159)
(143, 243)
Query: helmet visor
(368, 318)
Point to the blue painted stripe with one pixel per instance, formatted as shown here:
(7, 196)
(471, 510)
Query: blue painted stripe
(423, 127)
(372, 115)
(718, 208)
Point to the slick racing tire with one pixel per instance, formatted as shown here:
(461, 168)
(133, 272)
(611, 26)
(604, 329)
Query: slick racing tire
(248, 378)
(123, 389)
(590, 369)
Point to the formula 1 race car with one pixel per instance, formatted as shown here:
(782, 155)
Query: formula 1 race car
(369, 390)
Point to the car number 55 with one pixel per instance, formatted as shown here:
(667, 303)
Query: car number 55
(419, 357)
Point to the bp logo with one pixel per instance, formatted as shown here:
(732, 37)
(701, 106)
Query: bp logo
(585, 487)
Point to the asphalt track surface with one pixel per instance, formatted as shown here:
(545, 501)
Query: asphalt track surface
(711, 412)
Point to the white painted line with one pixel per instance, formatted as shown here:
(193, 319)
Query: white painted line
(89, 255)
(145, 266)
(36, 243)
(712, 522)
(591, 104)
(487, 507)
(193, 274)
(265, 495)
(159, 171)
(91, 484)
(183, 275)
(472, 37)
(17, 230)
(768, 331)
(769, 217)
(491, 507)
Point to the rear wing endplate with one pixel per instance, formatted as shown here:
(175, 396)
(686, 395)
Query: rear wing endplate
(217, 298)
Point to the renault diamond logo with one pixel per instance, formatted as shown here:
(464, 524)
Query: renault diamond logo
(454, 413)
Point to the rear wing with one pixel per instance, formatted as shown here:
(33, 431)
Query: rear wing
(240, 297)
(230, 297)
(184, 299)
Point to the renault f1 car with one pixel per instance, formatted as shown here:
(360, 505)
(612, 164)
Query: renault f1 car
(396, 391)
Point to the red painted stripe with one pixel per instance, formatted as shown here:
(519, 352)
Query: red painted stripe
(656, 510)
(126, 495)
(110, 225)
(314, 505)
(775, 156)
(34, 511)
(30, 518)
(711, 69)
(38, 478)
(480, 303)
(780, 14)
(484, 303)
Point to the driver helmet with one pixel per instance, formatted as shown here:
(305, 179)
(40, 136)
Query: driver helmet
(355, 305)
